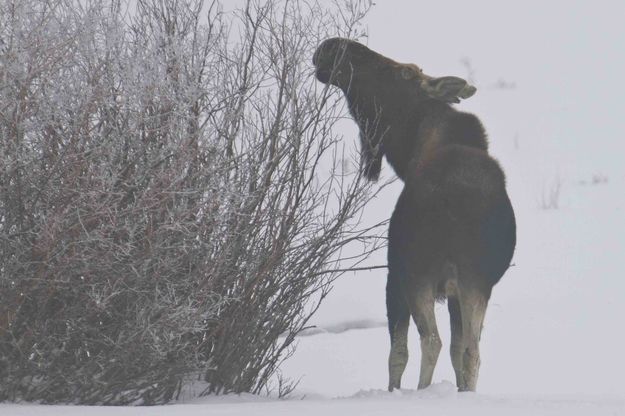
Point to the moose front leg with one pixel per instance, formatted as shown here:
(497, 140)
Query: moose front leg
(398, 357)
(398, 315)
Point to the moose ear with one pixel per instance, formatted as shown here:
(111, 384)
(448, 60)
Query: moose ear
(448, 89)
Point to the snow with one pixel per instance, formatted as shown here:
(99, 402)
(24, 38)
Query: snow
(551, 343)
(438, 399)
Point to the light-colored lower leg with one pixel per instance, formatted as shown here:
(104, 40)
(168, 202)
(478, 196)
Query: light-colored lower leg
(457, 348)
(398, 358)
(473, 309)
(423, 315)
(430, 349)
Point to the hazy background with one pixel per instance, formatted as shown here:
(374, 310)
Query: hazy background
(566, 59)
(558, 116)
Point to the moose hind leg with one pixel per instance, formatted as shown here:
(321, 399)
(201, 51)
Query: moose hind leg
(422, 309)
(473, 305)
(398, 323)
(456, 349)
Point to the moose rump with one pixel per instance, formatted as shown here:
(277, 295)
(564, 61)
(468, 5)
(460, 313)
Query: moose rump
(451, 235)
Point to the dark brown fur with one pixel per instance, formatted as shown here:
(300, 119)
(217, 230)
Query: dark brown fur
(453, 230)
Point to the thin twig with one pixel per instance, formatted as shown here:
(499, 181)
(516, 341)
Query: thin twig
(351, 269)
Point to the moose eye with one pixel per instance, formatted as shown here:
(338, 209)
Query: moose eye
(409, 72)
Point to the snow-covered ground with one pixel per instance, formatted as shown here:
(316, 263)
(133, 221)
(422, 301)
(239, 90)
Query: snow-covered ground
(439, 399)
(553, 342)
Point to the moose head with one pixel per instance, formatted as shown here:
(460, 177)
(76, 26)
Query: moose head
(342, 62)
(382, 95)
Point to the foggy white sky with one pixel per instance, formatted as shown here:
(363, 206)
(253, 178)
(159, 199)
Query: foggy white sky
(567, 59)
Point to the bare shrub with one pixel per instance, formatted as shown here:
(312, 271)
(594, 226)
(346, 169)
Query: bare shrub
(550, 197)
(598, 179)
(171, 194)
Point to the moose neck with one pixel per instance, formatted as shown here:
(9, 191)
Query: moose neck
(429, 127)
(443, 126)
(407, 129)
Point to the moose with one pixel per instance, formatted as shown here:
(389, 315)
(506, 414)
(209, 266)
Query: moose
(453, 232)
